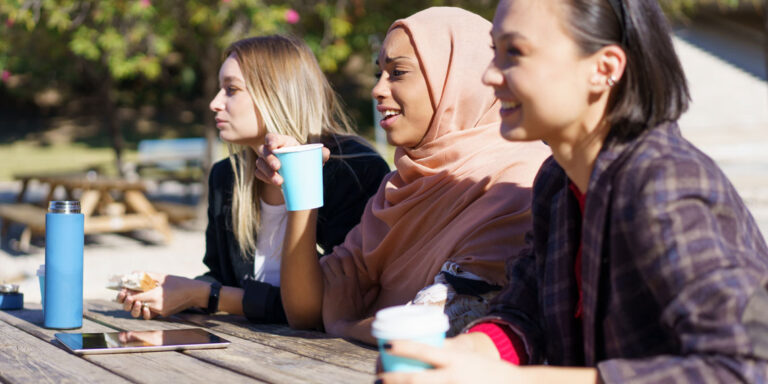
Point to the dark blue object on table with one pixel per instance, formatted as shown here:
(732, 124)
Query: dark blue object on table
(11, 300)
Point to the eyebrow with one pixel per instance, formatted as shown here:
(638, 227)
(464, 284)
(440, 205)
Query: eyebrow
(391, 59)
(230, 79)
(508, 36)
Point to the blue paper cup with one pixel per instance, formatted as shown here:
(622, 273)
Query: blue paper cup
(301, 167)
(419, 323)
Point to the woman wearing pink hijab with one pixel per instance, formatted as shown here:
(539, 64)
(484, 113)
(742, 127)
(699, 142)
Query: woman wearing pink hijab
(442, 226)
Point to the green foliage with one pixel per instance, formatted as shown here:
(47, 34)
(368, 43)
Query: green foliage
(133, 38)
(677, 9)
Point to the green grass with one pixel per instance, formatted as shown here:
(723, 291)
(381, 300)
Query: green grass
(27, 157)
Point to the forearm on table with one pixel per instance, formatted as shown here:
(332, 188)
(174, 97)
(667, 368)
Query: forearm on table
(301, 278)
(230, 298)
(477, 342)
(359, 330)
(536, 374)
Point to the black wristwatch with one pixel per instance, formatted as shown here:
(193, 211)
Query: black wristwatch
(213, 298)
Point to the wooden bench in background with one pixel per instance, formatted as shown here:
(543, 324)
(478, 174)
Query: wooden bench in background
(30, 216)
(177, 212)
(179, 160)
(109, 205)
(174, 160)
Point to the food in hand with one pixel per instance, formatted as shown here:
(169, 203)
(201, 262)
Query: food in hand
(137, 281)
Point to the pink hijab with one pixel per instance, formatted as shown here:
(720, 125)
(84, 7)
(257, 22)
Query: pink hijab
(463, 194)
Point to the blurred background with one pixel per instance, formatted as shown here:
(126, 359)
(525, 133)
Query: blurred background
(119, 90)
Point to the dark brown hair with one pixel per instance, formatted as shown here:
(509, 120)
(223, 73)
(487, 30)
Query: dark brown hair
(653, 88)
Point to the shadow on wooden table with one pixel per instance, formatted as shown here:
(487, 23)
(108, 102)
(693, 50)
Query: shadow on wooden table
(312, 344)
(257, 353)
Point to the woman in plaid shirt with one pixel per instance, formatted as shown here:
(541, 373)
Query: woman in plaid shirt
(644, 264)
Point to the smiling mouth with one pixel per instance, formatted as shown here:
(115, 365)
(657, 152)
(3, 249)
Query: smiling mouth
(509, 105)
(386, 115)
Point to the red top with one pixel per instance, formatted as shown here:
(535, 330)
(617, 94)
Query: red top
(507, 342)
(582, 198)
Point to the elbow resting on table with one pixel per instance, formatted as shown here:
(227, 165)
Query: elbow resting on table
(305, 320)
(303, 311)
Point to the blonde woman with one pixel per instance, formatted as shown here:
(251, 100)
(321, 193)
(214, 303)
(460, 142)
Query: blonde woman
(269, 84)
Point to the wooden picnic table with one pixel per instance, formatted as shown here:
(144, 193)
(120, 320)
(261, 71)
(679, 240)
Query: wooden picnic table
(258, 353)
(109, 205)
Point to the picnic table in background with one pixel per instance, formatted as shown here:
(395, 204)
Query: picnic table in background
(179, 160)
(258, 353)
(175, 160)
(108, 204)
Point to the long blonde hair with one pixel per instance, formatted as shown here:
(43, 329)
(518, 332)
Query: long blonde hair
(292, 97)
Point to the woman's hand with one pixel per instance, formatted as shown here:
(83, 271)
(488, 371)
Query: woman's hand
(267, 163)
(452, 363)
(473, 342)
(173, 294)
(344, 300)
(455, 364)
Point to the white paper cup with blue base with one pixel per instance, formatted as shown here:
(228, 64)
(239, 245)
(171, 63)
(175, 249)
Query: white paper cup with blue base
(301, 167)
(420, 323)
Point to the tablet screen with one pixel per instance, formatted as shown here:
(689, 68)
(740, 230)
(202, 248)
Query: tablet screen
(139, 341)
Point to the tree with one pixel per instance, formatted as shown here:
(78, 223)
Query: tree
(122, 49)
(116, 41)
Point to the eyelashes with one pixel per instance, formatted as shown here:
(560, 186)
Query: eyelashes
(395, 73)
(511, 51)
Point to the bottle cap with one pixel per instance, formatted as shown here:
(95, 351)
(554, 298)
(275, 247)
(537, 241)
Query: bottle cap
(9, 288)
(64, 206)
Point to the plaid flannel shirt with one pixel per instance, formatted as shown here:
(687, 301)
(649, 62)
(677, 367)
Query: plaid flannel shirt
(674, 270)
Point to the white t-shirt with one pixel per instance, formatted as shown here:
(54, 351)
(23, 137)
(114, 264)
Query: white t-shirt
(269, 243)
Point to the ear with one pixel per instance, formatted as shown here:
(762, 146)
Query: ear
(608, 68)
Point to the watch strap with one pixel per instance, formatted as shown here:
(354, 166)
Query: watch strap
(213, 298)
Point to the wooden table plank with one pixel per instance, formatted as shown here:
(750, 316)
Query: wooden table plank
(248, 357)
(316, 345)
(150, 367)
(312, 344)
(168, 367)
(30, 320)
(25, 358)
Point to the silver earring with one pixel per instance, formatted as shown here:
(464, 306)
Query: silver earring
(611, 81)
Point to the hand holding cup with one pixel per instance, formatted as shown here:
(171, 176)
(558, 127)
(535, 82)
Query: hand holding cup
(297, 169)
(416, 323)
(268, 164)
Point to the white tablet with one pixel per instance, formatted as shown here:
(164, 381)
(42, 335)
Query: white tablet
(140, 341)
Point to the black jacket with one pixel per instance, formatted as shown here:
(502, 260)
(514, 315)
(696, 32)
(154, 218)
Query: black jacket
(348, 184)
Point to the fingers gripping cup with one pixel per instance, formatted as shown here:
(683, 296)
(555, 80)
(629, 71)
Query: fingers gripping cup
(301, 167)
(420, 323)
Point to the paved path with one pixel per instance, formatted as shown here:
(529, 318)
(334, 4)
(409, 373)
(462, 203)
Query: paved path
(728, 117)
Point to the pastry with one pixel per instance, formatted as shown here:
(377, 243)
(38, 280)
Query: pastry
(136, 281)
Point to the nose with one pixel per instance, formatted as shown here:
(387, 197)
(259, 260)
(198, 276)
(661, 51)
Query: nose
(380, 90)
(217, 104)
(492, 75)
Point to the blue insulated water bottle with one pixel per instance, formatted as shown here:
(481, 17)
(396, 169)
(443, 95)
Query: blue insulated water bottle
(63, 265)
